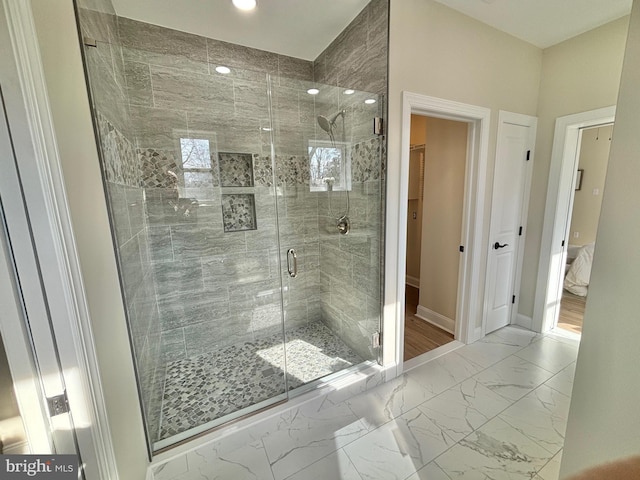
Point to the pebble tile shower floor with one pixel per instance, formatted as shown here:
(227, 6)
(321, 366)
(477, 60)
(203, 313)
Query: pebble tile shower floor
(203, 388)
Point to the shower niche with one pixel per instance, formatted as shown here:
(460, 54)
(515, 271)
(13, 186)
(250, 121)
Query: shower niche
(212, 180)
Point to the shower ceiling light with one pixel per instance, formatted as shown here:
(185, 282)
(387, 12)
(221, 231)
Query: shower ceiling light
(266, 129)
(244, 4)
(222, 69)
(349, 92)
(313, 91)
(369, 101)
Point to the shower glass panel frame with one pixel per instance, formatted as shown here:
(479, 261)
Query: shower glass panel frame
(207, 179)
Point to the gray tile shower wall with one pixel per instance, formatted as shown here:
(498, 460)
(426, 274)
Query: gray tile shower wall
(174, 91)
(197, 240)
(357, 58)
(350, 266)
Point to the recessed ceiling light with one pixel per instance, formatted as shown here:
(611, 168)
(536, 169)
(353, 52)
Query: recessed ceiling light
(369, 101)
(266, 129)
(222, 69)
(349, 92)
(244, 4)
(313, 91)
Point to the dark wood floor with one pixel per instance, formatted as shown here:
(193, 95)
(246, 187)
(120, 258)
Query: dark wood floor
(419, 336)
(571, 312)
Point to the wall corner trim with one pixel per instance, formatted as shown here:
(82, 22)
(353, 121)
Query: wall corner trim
(74, 326)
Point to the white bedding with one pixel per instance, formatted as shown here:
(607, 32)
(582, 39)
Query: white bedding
(577, 279)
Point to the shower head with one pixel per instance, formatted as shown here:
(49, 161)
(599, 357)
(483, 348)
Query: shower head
(328, 125)
(325, 124)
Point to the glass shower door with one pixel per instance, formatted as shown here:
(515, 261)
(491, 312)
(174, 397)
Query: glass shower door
(186, 158)
(328, 174)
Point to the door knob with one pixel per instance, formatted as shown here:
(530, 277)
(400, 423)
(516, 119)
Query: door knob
(497, 245)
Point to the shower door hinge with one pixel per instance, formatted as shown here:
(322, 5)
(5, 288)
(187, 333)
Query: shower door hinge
(90, 42)
(376, 339)
(378, 127)
(58, 404)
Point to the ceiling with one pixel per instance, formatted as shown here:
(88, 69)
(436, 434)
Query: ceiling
(304, 28)
(297, 28)
(542, 22)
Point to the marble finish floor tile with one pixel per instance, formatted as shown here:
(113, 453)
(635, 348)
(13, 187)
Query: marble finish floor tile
(512, 336)
(444, 372)
(334, 466)
(399, 448)
(307, 434)
(513, 377)
(542, 416)
(487, 353)
(551, 471)
(563, 380)
(464, 408)
(550, 354)
(206, 387)
(504, 422)
(431, 471)
(388, 401)
(496, 451)
(248, 462)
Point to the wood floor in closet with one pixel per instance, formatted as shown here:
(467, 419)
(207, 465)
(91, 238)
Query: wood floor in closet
(419, 336)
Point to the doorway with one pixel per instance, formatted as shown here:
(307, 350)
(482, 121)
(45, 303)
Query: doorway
(582, 222)
(563, 179)
(468, 327)
(437, 167)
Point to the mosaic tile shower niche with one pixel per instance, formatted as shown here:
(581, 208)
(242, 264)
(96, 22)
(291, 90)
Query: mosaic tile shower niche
(211, 180)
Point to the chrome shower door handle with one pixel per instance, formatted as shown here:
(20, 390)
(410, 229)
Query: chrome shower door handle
(292, 263)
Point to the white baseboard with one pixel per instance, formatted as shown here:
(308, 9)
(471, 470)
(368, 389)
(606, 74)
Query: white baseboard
(524, 321)
(436, 319)
(19, 448)
(413, 281)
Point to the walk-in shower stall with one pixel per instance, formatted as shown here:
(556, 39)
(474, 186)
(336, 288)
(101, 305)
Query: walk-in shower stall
(245, 191)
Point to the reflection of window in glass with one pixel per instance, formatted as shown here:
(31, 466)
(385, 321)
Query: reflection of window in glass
(329, 163)
(196, 162)
(195, 153)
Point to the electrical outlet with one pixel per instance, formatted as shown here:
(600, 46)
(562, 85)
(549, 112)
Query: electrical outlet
(415, 215)
(596, 191)
(576, 234)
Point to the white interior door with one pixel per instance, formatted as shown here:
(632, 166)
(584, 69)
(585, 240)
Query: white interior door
(516, 135)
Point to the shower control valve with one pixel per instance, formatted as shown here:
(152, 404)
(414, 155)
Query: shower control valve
(344, 225)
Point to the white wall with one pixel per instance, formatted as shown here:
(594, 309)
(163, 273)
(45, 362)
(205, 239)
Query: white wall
(594, 157)
(604, 420)
(58, 40)
(578, 75)
(444, 173)
(439, 52)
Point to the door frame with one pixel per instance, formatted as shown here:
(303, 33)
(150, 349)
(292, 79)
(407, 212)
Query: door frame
(505, 117)
(470, 268)
(45, 201)
(562, 178)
